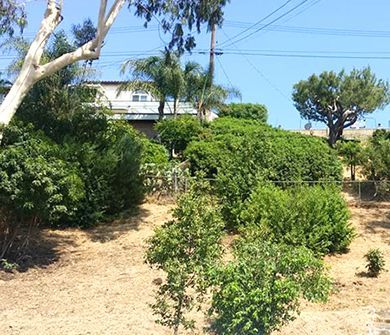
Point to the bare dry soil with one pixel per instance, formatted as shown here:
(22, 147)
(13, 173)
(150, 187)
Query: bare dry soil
(96, 282)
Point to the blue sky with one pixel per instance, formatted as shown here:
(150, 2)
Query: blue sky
(350, 28)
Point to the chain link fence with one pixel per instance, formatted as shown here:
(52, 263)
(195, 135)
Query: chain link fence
(174, 184)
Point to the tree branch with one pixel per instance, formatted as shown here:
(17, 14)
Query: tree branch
(52, 19)
(101, 24)
(90, 50)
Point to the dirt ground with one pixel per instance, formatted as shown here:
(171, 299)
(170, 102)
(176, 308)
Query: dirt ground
(95, 282)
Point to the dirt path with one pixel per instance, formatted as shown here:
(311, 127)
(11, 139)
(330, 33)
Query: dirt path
(97, 283)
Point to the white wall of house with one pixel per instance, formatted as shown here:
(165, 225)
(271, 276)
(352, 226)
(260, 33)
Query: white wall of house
(138, 105)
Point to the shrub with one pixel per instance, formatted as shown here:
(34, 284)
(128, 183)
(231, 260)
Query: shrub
(185, 248)
(259, 291)
(240, 152)
(375, 262)
(36, 183)
(110, 167)
(36, 186)
(153, 154)
(377, 158)
(175, 134)
(314, 217)
(248, 111)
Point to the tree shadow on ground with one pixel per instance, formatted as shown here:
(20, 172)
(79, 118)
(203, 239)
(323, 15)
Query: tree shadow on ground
(48, 246)
(125, 222)
(44, 247)
(380, 226)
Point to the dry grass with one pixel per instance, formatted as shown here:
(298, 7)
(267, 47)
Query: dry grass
(95, 282)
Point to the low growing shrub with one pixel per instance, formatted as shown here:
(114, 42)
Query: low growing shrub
(375, 262)
(259, 291)
(314, 217)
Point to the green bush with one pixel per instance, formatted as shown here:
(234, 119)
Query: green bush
(315, 217)
(237, 153)
(153, 154)
(248, 111)
(351, 152)
(36, 184)
(376, 163)
(259, 291)
(175, 134)
(108, 166)
(375, 262)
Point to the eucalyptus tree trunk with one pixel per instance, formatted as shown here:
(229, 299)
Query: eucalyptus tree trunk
(32, 70)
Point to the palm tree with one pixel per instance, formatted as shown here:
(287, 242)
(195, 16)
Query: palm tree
(205, 95)
(162, 76)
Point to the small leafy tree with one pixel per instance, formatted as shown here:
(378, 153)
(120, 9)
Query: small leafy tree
(376, 161)
(340, 99)
(206, 95)
(245, 111)
(351, 152)
(259, 291)
(185, 248)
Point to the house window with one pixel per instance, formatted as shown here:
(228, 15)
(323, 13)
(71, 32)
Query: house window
(140, 96)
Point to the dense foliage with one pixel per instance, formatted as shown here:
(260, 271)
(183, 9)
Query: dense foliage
(237, 153)
(106, 173)
(314, 217)
(377, 160)
(244, 111)
(177, 133)
(63, 162)
(259, 291)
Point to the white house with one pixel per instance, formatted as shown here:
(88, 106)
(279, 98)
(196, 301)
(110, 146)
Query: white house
(138, 107)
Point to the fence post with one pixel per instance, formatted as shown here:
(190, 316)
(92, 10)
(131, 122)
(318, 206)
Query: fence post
(360, 191)
(175, 184)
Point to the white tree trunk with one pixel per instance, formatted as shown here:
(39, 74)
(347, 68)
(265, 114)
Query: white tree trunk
(32, 71)
(14, 98)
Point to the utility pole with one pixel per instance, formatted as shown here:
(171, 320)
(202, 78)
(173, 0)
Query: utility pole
(212, 53)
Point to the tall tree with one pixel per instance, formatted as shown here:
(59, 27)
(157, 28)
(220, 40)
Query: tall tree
(340, 99)
(176, 15)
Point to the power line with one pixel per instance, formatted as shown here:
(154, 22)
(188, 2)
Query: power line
(225, 73)
(317, 30)
(268, 24)
(258, 22)
(257, 70)
(285, 55)
(315, 2)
